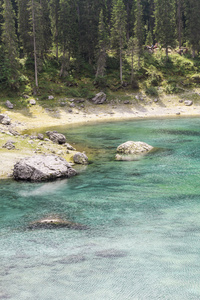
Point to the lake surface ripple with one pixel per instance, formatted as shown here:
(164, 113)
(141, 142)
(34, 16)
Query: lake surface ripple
(142, 240)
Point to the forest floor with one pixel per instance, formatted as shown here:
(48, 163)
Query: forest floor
(36, 118)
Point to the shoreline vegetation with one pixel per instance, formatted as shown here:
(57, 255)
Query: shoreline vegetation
(35, 117)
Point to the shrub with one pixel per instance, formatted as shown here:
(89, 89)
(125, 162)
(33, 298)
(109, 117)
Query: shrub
(151, 91)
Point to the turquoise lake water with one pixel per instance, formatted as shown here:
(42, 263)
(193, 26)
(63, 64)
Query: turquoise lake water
(142, 240)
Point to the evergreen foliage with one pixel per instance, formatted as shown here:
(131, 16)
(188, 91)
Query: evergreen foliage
(9, 48)
(118, 30)
(165, 26)
(94, 39)
(192, 9)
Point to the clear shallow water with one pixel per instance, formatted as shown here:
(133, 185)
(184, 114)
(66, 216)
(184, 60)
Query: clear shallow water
(143, 218)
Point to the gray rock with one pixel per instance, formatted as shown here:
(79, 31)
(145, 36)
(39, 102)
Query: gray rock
(70, 111)
(180, 101)
(42, 168)
(80, 158)
(56, 137)
(25, 96)
(9, 145)
(9, 104)
(126, 102)
(69, 147)
(5, 120)
(100, 98)
(32, 101)
(188, 102)
(50, 97)
(72, 104)
(40, 136)
(33, 137)
(132, 150)
(55, 222)
(14, 132)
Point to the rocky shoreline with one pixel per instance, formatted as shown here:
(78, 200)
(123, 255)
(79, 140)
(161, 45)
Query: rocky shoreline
(15, 145)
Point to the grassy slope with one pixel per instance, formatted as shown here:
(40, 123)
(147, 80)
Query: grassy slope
(155, 77)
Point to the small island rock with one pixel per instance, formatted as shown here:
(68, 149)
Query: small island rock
(42, 168)
(131, 150)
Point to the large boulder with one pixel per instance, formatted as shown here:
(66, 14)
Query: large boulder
(132, 150)
(56, 137)
(80, 158)
(42, 168)
(100, 98)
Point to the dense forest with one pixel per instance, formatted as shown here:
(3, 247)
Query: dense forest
(71, 39)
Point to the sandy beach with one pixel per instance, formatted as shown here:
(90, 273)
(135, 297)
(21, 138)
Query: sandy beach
(35, 117)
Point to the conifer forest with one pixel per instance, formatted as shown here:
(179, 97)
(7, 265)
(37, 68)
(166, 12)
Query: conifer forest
(114, 43)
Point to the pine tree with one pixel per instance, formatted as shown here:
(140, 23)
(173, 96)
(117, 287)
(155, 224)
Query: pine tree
(192, 8)
(64, 28)
(10, 45)
(1, 19)
(118, 30)
(24, 28)
(45, 23)
(179, 13)
(102, 46)
(54, 13)
(139, 29)
(165, 23)
(88, 28)
(131, 51)
(34, 10)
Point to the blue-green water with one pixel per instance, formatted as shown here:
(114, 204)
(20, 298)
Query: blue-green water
(143, 219)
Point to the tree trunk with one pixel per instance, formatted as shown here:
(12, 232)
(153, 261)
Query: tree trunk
(120, 61)
(193, 52)
(34, 45)
(166, 51)
(179, 24)
(132, 53)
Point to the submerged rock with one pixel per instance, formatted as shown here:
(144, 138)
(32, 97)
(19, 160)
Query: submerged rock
(42, 168)
(132, 150)
(55, 222)
(56, 137)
